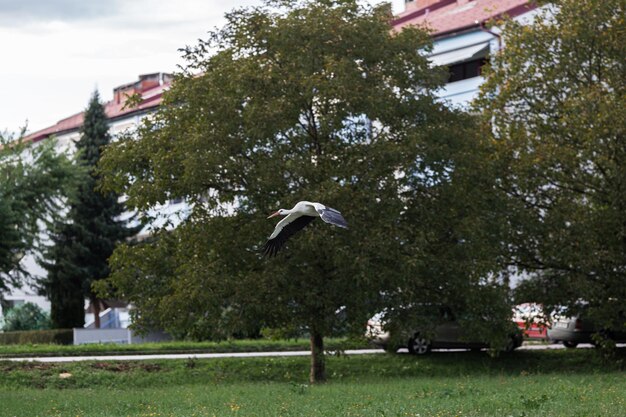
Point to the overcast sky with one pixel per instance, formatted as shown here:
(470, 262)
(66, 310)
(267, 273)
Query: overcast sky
(54, 53)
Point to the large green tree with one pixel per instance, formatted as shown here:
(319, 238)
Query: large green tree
(34, 180)
(555, 100)
(82, 243)
(318, 101)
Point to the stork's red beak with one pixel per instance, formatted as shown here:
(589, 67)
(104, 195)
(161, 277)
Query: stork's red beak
(274, 214)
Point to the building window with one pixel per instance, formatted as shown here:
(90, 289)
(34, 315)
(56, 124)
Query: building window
(177, 200)
(465, 70)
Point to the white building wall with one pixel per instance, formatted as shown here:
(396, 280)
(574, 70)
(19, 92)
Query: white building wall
(461, 93)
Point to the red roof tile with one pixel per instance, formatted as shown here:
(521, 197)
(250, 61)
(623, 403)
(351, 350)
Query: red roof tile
(448, 16)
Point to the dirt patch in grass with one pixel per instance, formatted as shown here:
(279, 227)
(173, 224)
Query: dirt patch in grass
(151, 367)
(26, 366)
(113, 366)
(125, 366)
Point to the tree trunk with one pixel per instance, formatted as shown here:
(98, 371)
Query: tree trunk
(95, 305)
(318, 362)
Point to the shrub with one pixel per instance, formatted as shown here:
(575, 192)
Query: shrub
(56, 336)
(27, 316)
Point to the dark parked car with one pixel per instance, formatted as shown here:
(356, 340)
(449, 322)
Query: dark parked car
(448, 335)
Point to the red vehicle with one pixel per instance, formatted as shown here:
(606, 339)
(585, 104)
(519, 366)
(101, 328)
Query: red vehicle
(528, 318)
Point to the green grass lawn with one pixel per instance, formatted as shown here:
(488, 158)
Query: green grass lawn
(528, 383)
(250, 345)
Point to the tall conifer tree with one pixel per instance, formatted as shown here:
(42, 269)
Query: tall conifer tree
(83, 245)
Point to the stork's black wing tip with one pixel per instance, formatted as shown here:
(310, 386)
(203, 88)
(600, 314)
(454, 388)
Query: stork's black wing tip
(270, 249)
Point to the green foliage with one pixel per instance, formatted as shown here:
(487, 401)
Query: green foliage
(63, 285)
(27, 316)
(555, 99)
(83, 243)
(34, 179)
(56, 336)
(315, 101)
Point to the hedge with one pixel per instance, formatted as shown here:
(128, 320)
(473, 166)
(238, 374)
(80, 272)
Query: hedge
(56, 336)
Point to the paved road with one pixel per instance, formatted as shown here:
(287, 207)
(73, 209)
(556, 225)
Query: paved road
(254, 354)
(182, 356)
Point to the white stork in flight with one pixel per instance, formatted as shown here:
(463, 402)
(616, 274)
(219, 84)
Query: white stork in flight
(296, 219)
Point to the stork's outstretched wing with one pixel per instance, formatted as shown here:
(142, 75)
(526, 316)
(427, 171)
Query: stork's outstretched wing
(332, 216)
(286, 228)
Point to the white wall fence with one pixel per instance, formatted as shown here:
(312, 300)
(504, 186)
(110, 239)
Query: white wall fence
(125, 336)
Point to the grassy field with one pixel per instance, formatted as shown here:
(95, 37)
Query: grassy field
(256, 345)
(526, 383)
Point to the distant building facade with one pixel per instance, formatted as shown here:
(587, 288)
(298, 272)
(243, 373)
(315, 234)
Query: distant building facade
(462, 40)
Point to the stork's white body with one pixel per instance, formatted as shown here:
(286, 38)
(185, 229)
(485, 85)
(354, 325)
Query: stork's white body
(296, 219)
(303, 208)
